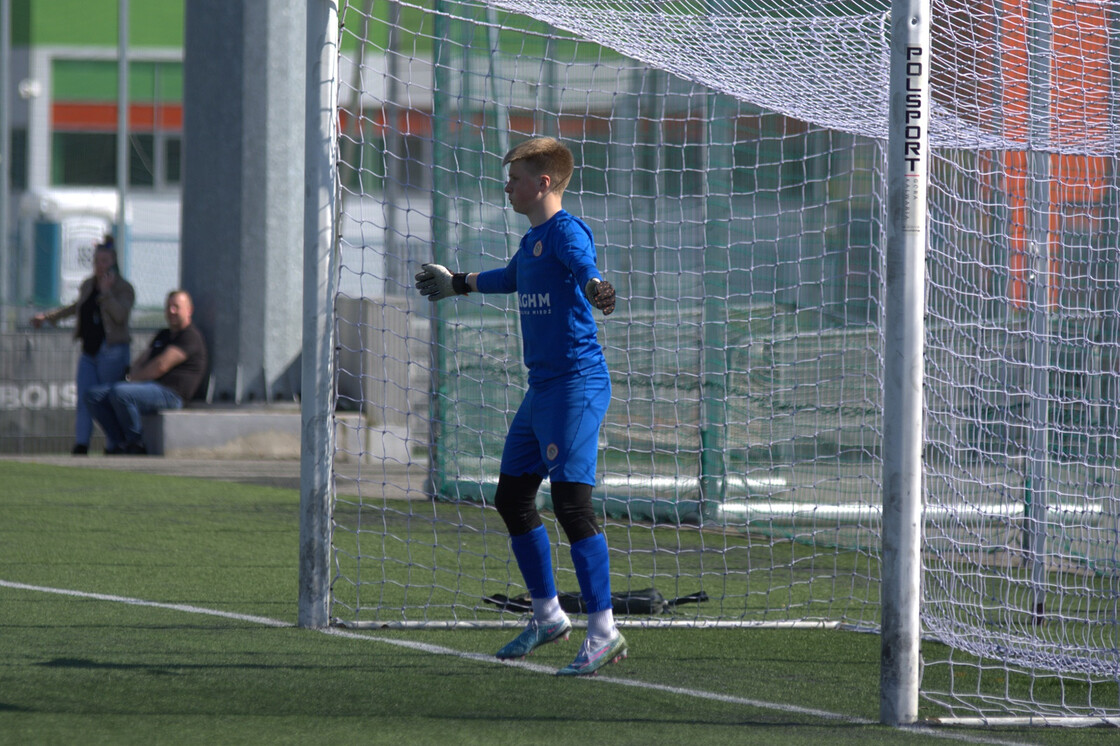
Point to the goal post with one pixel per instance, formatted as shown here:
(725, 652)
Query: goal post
(844, 395)
(903, 374)
(319, 273)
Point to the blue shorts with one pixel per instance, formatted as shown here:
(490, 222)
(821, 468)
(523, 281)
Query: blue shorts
(555, 432)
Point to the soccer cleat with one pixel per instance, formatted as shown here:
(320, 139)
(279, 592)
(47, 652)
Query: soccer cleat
(535, 635)
(591, 660)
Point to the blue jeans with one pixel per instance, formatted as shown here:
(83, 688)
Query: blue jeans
(107, 366)
(119, 407)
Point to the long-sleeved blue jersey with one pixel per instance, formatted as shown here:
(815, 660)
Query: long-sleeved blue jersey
(553, 264)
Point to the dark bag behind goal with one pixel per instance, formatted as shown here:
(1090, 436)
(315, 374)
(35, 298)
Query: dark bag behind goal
(645, 601)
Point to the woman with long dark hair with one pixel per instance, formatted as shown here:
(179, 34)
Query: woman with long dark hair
(103, 308)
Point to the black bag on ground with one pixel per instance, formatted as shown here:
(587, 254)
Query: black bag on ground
(646, 601)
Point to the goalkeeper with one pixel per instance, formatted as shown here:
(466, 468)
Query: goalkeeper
(555, 432)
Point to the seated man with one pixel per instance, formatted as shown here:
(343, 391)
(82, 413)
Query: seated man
(164, 376)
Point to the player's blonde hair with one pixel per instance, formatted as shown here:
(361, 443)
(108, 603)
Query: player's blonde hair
(545, 156)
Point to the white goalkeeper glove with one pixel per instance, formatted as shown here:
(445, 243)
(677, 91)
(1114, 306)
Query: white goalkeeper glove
(438, 282)
(601, 295)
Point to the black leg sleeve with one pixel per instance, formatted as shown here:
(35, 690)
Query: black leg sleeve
(516, 501)
(571, 501)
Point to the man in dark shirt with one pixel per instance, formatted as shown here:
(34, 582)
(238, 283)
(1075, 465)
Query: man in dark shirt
(164, 376)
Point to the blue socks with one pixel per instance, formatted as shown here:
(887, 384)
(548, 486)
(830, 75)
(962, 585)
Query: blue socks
(534, 558)
(589, 557)
(593, 571)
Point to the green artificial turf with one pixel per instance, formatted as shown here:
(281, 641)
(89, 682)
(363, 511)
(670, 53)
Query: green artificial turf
(92, 670)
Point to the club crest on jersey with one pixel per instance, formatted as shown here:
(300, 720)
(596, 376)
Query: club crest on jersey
(538, 248)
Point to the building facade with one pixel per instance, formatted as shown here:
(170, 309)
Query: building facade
(62, 75)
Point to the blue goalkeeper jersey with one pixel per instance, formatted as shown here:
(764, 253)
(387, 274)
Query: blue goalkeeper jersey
(553, 264)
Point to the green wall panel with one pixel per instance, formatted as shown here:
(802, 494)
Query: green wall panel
(152, 23)
(85, 80)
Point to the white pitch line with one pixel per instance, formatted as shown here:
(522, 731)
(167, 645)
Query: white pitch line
(141, 602)
(489, 659)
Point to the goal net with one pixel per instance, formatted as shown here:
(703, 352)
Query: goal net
(731, 162)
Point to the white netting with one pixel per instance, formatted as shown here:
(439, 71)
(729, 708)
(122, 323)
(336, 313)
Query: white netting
(731, 163)
(781, 63)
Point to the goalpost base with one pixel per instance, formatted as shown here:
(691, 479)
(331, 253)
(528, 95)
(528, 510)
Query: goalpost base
(582, 624)
(1053, 722)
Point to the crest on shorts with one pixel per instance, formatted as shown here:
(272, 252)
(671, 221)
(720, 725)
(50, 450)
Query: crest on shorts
(538, 248)
(552, 451)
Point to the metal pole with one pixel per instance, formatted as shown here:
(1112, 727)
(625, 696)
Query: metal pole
(396, 160)
(120, 230)
(904, 332)
(5, 154)
(320, 245)
(444, 187)
(1039, 33)
(715, 344)
(501, 119)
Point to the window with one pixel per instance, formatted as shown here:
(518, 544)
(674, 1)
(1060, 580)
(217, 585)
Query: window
(18, 169)
(83, 159)
(84, 123)
(172, 156)
(141, 161)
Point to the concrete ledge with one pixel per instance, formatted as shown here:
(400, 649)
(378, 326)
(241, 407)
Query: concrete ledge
(262, 433)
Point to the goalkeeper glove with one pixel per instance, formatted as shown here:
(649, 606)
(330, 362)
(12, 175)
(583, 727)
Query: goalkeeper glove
(438, 282)
(601, 295)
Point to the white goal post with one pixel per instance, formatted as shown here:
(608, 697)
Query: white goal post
(866, 357)
(903, 345)
(319, 267)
